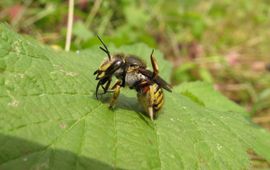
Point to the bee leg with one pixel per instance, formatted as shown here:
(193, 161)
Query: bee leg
(146, 98)
(101, 83)
(97, 87)
(151, 112)
(116, 88)
(154, 65)
(105, 89)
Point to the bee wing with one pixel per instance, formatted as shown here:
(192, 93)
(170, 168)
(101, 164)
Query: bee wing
(161, 82)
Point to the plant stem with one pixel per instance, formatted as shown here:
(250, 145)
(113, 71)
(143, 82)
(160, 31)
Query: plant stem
(69, 24)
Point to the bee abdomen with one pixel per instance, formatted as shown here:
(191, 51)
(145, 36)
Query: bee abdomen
(158, 98)
(151, 97)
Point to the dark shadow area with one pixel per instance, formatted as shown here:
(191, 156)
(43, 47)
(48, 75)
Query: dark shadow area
(20, 154)
(125, 103)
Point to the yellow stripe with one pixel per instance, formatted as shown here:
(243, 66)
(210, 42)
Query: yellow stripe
(159, 98)
(158, 107)
(158, 93)
(152, 95)
(105, 66)
(101, 75)
(155, 86)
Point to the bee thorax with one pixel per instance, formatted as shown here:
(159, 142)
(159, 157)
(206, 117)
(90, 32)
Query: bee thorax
(133, 78)
(118, 73)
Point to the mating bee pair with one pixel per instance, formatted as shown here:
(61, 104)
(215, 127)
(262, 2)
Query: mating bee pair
(131, 71)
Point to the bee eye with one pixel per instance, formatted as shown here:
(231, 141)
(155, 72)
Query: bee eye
(114, 66)
(118, 63)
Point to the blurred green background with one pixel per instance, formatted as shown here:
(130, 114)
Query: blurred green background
(223, 42)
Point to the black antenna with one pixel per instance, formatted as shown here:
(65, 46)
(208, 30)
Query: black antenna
(105, 49)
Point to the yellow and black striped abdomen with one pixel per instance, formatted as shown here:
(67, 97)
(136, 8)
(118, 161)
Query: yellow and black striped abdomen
(158, 97)
(152, 98)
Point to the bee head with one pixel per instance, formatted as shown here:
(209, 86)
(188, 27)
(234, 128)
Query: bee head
(110, 65)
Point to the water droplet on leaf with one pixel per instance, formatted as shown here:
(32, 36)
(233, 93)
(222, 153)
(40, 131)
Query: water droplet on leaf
(219, 147)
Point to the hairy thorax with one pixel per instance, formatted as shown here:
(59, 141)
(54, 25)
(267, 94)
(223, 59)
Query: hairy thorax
(133, 78)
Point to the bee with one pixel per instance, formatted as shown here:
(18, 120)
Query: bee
(132, 72)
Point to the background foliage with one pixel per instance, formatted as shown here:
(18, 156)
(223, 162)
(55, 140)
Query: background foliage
(221, 42)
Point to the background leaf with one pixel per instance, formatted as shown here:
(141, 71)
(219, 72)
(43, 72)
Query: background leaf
(81, 31)
(205, 94)
(49, 118)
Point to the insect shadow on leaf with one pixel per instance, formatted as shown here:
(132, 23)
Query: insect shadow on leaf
(126, 103)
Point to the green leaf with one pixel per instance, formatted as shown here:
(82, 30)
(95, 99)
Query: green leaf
(202, 92)
(183, 73)
(81, 31)
(205, 75)
(50, 119)
(136, 16)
